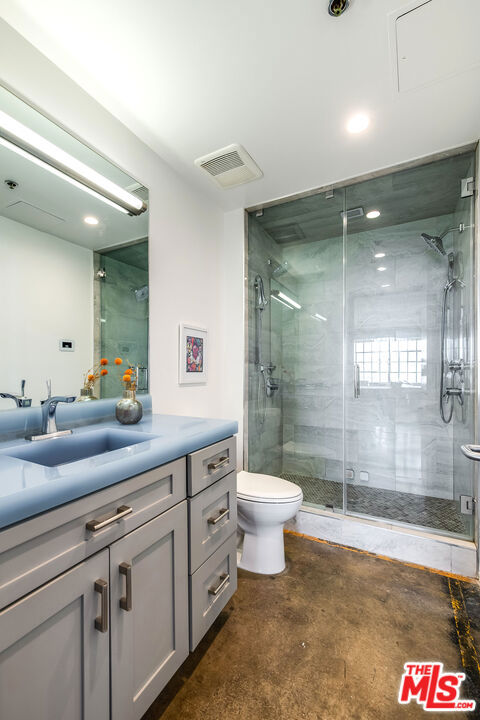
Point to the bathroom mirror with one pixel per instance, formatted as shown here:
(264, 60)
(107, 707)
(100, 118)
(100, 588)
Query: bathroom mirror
(74, 250)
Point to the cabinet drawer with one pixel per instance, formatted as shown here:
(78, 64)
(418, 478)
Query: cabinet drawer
(209, 464)
(211, 587)
(213, 518)
(35, 551)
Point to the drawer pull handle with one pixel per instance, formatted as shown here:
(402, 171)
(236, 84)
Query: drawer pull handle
(99, 523)
(126, 601)
(101, 622)
(223, 512)
(219, 464)
(223, 581)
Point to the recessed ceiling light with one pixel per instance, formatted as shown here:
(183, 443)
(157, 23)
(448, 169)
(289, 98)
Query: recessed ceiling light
(381, 268)
(372, 214)
(379, 255)
(386, 285)
(317, 316)
(90, 220)
(358, 123)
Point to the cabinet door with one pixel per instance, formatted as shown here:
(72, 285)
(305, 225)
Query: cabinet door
(149, 611)
(54, 662)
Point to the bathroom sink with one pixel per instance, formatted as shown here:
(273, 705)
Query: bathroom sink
(81, 446)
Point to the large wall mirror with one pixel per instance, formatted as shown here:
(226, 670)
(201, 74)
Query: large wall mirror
(74, 258)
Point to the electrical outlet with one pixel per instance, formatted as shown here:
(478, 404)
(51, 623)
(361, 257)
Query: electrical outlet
(364, 476)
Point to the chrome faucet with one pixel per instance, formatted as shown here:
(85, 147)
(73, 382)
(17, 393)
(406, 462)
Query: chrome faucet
(20, 400)
(49, 409)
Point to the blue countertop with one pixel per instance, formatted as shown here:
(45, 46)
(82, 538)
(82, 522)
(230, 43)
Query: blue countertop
(27, 488)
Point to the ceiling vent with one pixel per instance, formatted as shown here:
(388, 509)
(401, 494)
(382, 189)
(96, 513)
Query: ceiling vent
(230, 166)
(286, 233)
(352, 213)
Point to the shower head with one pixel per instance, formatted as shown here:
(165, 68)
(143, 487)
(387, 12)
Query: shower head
(261, 301)
(141, 293)
(434, 242)
(277, 268)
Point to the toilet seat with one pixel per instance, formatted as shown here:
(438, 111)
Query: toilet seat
(255, 487)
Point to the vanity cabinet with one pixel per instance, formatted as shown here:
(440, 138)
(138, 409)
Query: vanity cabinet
(212, 508)
(103, 597)
(54, 662)
(149, 611)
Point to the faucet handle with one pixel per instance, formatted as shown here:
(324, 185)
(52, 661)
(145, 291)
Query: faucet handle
(49, 388)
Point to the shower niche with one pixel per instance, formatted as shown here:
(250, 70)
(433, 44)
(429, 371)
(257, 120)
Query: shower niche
(367, 317)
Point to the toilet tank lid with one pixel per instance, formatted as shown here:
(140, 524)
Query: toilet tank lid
(267, 487)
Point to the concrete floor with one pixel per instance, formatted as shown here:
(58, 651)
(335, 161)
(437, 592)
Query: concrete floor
(327, 638)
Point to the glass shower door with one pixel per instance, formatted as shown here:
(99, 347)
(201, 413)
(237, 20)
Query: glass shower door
(295, 345)
(401, 458)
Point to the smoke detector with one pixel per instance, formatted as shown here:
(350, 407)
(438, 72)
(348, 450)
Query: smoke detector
(230, 166)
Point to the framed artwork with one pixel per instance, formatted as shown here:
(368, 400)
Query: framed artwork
(192, 367)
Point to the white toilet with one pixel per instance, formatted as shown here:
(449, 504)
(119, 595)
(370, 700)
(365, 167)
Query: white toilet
(265, 503)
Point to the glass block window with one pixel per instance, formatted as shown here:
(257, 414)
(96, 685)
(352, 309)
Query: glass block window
(383, 361)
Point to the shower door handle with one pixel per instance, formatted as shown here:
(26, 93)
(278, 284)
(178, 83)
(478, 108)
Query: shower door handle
(471, 451)
(356, 381)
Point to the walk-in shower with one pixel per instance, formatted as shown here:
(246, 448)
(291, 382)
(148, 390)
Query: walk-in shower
(367, 322)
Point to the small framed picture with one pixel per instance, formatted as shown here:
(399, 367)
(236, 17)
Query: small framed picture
(192, 367)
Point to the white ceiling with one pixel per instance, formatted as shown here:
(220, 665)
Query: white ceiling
(277, 76)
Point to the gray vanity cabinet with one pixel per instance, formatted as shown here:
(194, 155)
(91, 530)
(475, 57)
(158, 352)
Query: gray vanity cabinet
(149, 611)
(54, 660)
(103, 597)
(212, 505)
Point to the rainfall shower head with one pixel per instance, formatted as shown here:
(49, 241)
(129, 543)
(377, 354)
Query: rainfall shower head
(277, 268)
(434, 242)
(141, 293)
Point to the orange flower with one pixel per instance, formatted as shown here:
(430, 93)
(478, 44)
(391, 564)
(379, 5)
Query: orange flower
(126, 378)
(118, 361)
(104, 361)
(104, 372)
(91, 377)
(129, 371)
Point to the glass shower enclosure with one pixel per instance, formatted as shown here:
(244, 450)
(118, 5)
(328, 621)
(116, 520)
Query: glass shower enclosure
(360, 331)
(121, 300)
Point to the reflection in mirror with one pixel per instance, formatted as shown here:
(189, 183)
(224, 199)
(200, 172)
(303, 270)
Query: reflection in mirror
(74, 248)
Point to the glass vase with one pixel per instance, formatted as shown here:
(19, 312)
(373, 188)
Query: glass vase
(129, 410)
(86, 394)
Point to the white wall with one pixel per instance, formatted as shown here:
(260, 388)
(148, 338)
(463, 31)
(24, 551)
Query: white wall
(232, 327)
(186, 229)
(46, 294)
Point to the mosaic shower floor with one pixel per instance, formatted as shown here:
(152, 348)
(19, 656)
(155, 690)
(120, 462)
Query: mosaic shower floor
(404, 507)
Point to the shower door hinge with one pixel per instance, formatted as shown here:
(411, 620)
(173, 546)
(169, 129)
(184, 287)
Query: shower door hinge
(466, 504)
(467, 187)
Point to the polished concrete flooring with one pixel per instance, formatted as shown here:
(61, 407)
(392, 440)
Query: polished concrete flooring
(327, 638)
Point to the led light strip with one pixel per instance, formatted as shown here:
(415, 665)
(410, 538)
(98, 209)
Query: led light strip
(275, 297)
(29, 144)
